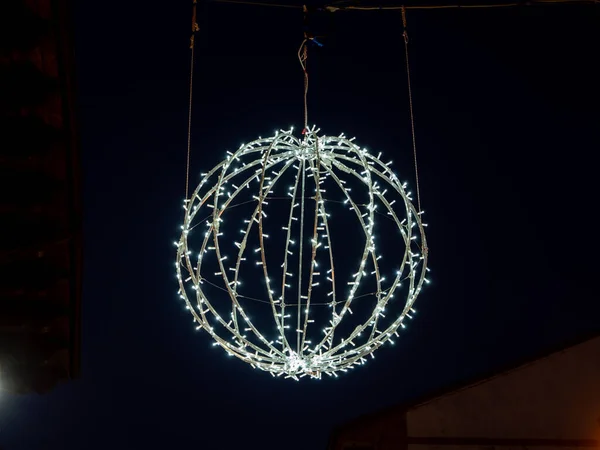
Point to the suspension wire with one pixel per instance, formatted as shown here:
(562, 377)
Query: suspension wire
(331, 8)
(305, 89)
(410, 106)
(195, 28)
(303, 57)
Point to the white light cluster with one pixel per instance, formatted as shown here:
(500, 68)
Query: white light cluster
(305, 277)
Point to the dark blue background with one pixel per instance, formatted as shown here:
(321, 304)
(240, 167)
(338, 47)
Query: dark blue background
(506, 104)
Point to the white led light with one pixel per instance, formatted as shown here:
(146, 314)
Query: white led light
(319, 167)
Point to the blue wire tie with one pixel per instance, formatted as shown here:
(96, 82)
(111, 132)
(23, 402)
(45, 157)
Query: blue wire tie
(316, 42)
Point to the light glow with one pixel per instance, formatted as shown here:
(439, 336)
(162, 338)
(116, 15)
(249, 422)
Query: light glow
(304, 281)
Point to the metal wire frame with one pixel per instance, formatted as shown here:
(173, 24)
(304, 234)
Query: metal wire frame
(322, 160)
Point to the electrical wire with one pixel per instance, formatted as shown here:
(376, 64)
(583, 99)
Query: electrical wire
(410, 107)
(302, 57)
(334, 8)
(195, 28)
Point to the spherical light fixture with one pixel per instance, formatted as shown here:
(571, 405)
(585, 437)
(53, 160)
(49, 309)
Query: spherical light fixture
(300, 219)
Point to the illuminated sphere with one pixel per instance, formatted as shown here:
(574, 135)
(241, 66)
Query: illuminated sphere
(301, 256)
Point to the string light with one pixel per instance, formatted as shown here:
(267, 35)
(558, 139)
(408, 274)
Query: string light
(294, 254)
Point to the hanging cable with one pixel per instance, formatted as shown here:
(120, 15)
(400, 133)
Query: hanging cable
(195, 28)
(332, 8)
(410, 106)
(302, 57)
